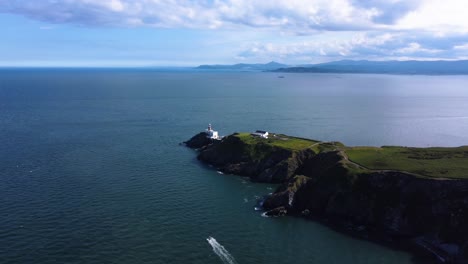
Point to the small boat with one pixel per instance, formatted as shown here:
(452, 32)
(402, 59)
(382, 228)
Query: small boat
(281, 76)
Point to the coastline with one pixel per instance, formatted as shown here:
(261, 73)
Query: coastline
(318, 181)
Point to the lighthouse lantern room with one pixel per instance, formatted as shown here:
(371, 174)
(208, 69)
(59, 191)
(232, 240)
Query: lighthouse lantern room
(210, 133)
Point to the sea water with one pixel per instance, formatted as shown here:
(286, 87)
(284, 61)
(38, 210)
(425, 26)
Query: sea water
(91, 170)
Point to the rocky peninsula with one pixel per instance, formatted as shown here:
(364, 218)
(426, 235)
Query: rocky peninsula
(411, 196)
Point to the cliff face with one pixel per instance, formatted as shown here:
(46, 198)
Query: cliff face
(325, 184)
(261, 162)
(198, 141)
(398, 206)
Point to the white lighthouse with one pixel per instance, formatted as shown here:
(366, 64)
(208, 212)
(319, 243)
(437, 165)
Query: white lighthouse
(210, 133)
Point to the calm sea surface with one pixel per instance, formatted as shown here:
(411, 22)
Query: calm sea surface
(91, 170)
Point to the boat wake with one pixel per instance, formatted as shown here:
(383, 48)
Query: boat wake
(222, 253)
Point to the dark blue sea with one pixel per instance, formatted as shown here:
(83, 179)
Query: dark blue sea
(91, 170)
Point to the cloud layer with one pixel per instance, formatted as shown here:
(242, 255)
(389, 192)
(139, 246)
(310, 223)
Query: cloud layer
(293, 15)
(292, 30)
(363, 45)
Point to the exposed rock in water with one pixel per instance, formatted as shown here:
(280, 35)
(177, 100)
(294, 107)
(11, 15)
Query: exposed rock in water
(278, 211)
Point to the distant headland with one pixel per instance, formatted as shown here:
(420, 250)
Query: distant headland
(244, 67)
(458, 67)
(414, 196)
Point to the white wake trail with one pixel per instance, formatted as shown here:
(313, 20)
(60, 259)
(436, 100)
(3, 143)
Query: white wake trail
(222, 253)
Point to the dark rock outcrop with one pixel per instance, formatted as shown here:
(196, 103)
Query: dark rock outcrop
(278, 211)
(198, 141)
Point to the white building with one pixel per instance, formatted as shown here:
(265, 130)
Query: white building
(260, 133)
(210, 133)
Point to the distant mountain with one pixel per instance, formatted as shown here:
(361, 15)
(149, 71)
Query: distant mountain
(354, 66)
(245, 67)
(390, 67)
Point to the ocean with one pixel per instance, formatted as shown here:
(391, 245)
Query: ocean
(92, 170)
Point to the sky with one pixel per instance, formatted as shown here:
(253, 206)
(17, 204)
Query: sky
(131, 33)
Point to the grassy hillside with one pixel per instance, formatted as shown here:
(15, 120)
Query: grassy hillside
(426, 162)
(430, 162)
(281, 141)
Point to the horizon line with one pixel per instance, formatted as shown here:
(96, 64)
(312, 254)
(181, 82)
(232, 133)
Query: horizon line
(64, 66)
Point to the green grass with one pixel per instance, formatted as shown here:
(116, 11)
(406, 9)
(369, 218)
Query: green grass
(282, 141)
(429, 162)
(426, 162)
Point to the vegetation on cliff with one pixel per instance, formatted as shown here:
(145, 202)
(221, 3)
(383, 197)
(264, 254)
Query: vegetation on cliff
(265, 160)
(428, 162)
(433, 162)
(424, 162)
(278, 140)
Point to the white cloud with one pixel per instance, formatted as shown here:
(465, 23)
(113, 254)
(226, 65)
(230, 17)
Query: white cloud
(111, 5)
(360, 45)
(463, 47)
(411, 48)
(316, 47)
(415, 47)
(439, 16)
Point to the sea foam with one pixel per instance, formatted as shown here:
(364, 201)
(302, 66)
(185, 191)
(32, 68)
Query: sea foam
(222, 253)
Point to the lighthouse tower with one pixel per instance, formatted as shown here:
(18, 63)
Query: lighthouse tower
(210, 133)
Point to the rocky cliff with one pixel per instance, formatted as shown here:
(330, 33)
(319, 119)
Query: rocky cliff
(393, 205)
(262, 162)
(324, 184)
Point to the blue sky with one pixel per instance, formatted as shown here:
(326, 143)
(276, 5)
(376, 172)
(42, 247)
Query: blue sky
(191, 32)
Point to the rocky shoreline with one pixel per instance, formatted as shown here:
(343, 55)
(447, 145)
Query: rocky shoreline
(427, 213)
